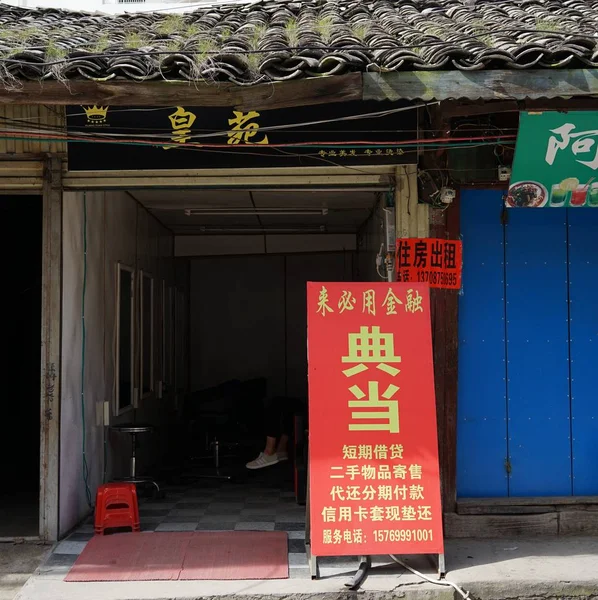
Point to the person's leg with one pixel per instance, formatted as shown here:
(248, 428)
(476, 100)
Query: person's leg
(282, 446)
(273, 422)
(289, 409)
(272, 425)
(270, 448)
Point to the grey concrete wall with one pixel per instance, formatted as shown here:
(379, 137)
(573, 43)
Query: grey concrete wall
(72, 493)
(247, 317)
(369, 240)
(300, 270)
(118, 230)
(237, 320)
(223, 245)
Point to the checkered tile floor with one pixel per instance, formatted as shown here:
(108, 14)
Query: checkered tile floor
(256, 504)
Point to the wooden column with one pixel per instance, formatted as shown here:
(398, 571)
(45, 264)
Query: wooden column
(451, 309)
(444, 224)
(445, 304)
(51, 348)
(437, 309)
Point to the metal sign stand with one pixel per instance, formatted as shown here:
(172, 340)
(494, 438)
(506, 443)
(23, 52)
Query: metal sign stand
(441, 567)
(365, 561)
(312, 560)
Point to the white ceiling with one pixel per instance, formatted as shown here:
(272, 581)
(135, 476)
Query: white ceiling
(346, 210)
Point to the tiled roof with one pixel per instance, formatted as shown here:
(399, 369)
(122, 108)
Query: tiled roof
(288, 39)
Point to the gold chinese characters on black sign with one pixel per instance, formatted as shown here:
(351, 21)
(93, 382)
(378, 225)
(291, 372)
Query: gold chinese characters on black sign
(231, 138)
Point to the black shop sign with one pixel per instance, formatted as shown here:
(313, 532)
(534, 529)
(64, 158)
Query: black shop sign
(104, 138)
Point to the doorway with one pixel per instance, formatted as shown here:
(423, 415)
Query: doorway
(21, 246)
(527, 412)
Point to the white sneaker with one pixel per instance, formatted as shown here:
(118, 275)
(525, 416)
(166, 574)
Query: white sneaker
(282, 456)
(262, 461)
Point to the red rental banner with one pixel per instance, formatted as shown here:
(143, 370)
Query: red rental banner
(373, 447)
(437, 262)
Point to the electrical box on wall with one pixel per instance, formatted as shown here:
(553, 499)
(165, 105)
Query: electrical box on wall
(447, 195)
(390, 229)
(504, 173)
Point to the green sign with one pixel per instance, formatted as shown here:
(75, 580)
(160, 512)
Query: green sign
(556, 160)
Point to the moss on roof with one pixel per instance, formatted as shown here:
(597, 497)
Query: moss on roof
(277, 40)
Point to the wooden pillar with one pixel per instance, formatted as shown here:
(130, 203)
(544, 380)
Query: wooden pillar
(437, 309)
(444, 224)
(445, 304)
(451, 330)
(51, 348)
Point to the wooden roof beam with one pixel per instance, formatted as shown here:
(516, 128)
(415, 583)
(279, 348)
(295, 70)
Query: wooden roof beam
(284, 94)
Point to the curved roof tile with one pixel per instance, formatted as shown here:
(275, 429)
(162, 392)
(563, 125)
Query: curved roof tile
(275, 40)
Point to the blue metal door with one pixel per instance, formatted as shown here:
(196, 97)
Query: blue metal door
(583, 312)
(538, 409)
(528, 337)
(482, 404)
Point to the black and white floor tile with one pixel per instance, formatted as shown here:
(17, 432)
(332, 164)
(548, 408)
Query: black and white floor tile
(208, 506)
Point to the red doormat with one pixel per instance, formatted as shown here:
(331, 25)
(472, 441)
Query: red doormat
(186, 556)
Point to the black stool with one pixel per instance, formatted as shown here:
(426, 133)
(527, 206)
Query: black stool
(134, 430)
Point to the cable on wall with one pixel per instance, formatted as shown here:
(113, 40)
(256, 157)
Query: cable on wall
(83, 334)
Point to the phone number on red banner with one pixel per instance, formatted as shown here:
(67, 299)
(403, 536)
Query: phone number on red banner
(433, 277)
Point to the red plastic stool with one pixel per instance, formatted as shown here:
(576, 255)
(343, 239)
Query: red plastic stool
(116, 506)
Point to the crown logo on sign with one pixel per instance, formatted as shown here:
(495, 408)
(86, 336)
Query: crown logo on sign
(95, 113)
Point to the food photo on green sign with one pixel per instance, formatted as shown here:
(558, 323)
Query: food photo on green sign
(556, 161)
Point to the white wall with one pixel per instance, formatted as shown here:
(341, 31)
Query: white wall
(118, 230)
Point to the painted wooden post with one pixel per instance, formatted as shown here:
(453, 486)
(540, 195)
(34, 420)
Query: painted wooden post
(51, 348)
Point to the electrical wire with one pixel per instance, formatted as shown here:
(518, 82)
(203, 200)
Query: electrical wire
(283, 127)
(380, 262)
(106, 423)
(311, 144)
(244, 149)
(442, 582)
(85, 465)
(43, 127)
(372, 115)
(167, 139)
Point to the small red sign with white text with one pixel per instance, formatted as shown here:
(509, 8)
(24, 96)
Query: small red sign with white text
(373, 448)
(436, 262)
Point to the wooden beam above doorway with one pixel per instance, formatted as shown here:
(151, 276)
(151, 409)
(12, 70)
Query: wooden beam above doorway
(377, 177)
(301, 92)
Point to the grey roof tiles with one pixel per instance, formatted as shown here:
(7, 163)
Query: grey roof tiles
(281, 40)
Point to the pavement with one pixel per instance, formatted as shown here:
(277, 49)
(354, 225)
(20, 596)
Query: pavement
(17, 563)
(540, 568)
